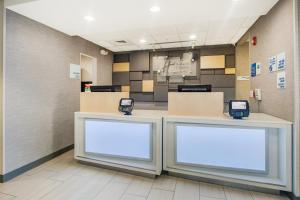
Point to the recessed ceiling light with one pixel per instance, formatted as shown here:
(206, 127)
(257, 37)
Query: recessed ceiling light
(143, 41)
(192, 37)
(155, 9)
(89, 18)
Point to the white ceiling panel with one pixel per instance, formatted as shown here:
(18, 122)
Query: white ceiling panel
(171, 45)
(189, 44)
(218, 21)
(161, 30)
(186, 36)
(194, 27)
(249, 21)
(239, 34)
(166, 38)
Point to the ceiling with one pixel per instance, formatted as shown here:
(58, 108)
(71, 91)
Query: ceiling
(213, 22)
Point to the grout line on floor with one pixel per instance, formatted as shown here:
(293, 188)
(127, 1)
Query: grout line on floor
(8, 194)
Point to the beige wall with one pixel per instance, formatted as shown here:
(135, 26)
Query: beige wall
(275, 34)
(40, 99)
(242, 69)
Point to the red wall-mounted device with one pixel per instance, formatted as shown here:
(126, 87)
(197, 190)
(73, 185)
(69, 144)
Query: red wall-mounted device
(254, 41)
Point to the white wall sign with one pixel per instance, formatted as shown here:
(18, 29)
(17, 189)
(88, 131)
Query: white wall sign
(281, 80)
(75, 71)
(273, 64)
(258, 68)
(243, 78)
(281, 61)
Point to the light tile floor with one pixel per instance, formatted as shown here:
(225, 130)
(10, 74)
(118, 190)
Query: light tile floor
(65, 179)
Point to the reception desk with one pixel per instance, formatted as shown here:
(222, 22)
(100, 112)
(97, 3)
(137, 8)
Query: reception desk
(256, 151)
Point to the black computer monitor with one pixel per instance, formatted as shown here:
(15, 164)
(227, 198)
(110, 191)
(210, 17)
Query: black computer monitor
(110, 88)
(194, 88)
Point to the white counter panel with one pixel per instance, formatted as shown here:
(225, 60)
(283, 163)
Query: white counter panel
(255, 151)
(120, 139)
(222, 147)
(126, 142)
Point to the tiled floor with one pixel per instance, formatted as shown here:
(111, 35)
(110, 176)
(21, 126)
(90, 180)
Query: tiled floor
(64, 179)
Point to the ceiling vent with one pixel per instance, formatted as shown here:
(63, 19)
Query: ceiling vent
(121, 42)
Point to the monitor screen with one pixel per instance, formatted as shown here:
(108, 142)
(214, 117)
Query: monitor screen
(239, 105)
(126, 102)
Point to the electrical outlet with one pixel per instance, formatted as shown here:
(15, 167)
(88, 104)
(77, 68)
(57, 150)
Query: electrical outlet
(258, 95)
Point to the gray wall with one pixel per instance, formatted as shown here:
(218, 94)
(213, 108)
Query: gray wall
(40, 99)
(275, 34)
(2, 29)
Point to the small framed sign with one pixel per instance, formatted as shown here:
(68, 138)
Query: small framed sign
(273, 64)
(281, 61)
(75, 72)
(281, 80)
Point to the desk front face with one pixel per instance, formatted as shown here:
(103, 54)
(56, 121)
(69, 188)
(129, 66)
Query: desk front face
(125, 142)
(119, 139)
(232, 148)
(252, 155)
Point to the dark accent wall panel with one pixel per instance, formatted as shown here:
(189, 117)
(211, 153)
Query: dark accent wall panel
(136, 86)
(192, 82)
(120, 58)
(142, 97)
(159, 53)
(140, 61)
(209, 51)
(223, 81)
(207, 72)
(161, 93)
(230, 61)
(148, 76)
(190, 78)
(120, 78)
(219, 71)
(175, 53)
(174, 86)
(136, 76)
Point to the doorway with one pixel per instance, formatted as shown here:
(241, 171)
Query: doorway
(88, 66)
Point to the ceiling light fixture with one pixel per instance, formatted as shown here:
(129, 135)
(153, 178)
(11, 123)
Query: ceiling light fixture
(192, 37)
(143, 41)
(89, 18)
(155, 9)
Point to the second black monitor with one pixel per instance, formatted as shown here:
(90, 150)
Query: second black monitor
(194, 88)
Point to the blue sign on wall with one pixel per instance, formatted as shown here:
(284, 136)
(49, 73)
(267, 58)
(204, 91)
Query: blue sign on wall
(253, 70)
(273, 64)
